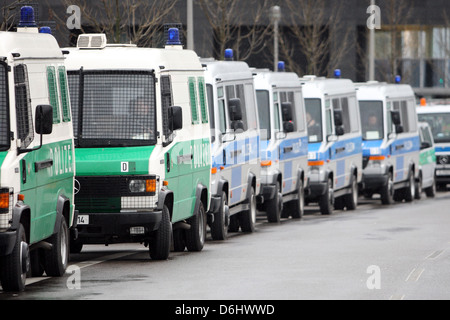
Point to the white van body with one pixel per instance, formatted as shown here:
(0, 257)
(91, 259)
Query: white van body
(284, 143)
(236, 171)
(391, 152)
(335, 152)
(438, 117)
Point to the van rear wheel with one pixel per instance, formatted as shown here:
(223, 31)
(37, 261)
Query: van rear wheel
(56, 260)
(159, 248)
(247, 219)
(387, 193)
(219, 228)
(196, 235)
(275, 206)
(326, 201)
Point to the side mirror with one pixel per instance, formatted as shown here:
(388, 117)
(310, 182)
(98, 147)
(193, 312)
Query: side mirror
(340, 131)
(399, 129)
(425, 145)
(396, 119)
(338, 118)
(235, 108)
(288, 126)
(44, 119)
(175, 118)
(332, 138)
(286, 110)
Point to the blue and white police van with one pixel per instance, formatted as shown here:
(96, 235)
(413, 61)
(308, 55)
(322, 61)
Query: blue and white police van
(335, 143)
(235, 137)
(391, 141)
(284, 143)
(438, 117)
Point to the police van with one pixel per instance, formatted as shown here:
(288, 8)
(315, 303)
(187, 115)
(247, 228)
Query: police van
(284, 143)
(438, 117)
(36, 156)
(142, 144)
(335, 142)
(235, 143)
(391, 141)
(427, 163)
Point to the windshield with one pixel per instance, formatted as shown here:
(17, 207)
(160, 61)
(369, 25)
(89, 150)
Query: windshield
(116, 109)
(439, 124)
(4, 109)
(372, 119)
(314, 120)
(264, 113)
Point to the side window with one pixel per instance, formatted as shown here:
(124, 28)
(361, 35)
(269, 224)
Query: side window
(276, 112)
(240, 93)
(53, 93)
(25, 130)
(299, 109)
(412, 116)
(427, 136)
(390, 126)
(329, 118)
(193, 100)
(289, 97)
(65, 102)
(252, 121)
(222, 111)
(166, 103)
(354, 118)
(212, 120)
(405, 116)
(202, 98)
(346, 115)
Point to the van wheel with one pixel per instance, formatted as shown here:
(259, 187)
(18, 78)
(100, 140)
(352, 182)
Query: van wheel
(219, 228)
(326, 202)
(431, 191)
(418, 187)
(57, 258)
(14, 267)
(410, 191)
(247, 219)
(351, 200)
(298, 206)
(160, 242)
(275, 206)
(196, 235)
(387, 193)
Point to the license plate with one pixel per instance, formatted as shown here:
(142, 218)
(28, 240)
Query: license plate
(443, 172)
(83, 220)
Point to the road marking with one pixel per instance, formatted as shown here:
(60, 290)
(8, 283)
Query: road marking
(415, 274)
(435, 254)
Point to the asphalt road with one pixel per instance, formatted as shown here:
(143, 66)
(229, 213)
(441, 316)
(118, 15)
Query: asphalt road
(374, 253)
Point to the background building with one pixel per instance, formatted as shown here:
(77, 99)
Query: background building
(315, 36)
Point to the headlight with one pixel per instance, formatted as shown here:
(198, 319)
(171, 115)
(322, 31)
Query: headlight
(142, 186)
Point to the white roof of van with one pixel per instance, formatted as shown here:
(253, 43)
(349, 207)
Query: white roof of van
(266, 78)
(317, 86)
(381, 90)
(226, 70)
(113, 57)
(434, 109)
(29, 45)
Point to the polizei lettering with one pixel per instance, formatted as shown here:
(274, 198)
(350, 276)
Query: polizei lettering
(62, 160)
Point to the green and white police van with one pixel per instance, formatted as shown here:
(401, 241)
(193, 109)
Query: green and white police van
(142, 139)
(427, 163)
(335, 143)
(236, 179)
(284, 143)
(36, 156)
(391, 141)
(438, 117)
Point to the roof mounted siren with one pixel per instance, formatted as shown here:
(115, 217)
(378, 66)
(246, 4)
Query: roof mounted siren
(173, 37)
(398, 79)
(281, 66)
(229, 55)
(337, 73)
(27, 21)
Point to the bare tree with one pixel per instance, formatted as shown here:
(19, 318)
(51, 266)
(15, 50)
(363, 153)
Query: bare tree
(314, 26)
(227, 20)
(9, 11)
(126, 21)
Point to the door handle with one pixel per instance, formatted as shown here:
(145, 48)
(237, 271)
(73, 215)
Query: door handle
(399, 147)
(185, 158)
(339, 150)
(38, 166)
(288, 149)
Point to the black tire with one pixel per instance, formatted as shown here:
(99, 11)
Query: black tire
(351, 200)
(410, 192)
(419, 190)
(219, 228)
(12, 273)
(159, 248)
(179, 240)
(298, 206)
(387, 192)
(326, 201)
(431, 191)
(57, 259)
(274, 207)
(196, 235)
(247, 219)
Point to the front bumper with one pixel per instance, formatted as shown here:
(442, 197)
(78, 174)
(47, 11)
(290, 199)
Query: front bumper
(7, 242)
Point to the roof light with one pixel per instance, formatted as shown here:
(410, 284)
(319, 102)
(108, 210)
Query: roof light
(27, 17)
(46, 30)
(423, 102)
(337, 73)
(398, 79)
(229, 54)
(281, 66)
(173, 37)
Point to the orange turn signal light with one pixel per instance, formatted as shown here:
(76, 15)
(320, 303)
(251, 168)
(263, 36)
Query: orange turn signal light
(150, 185)
(316, 163)
(266, 163)
(377, 158)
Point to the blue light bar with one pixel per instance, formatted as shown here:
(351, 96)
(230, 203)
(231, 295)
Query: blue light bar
(337, 73)
(398, 79)
(27, 17)
(281, 66)
(46, 30)
(173, 37)
(229, 54)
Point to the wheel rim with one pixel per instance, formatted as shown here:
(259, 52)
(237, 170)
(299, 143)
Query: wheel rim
(253, 209)
(301, 200)
(391, 186)
(201, 228)
(355, 192)
(412, 186)
(64, 247)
